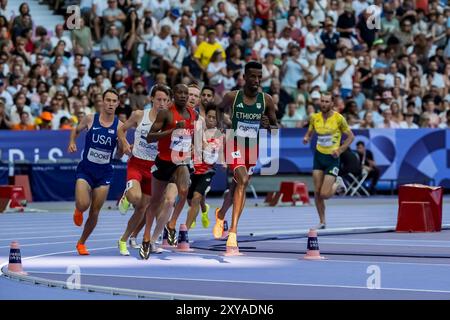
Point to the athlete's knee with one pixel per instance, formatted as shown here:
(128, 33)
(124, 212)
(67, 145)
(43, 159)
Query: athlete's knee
(196, 199)
(325, 194)
(183, 192)
(82, 204)
(134, 196)
(242, 180)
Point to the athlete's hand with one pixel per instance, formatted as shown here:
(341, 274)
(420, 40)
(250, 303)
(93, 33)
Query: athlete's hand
(181, 124)
(126, 148)
(305, 140)
(336, 153)
(265, 122)
(72, 147)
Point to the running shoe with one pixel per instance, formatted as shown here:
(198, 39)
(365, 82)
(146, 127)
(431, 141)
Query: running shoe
(82, 250)
(171, 236)
(133, 243)
(78, 217)
(205, 218)
(124, 205)
(232, 240)
(144, 252)
(321, 226)
(154, 248)
(218, 226)
(342, 188)
(123, 248)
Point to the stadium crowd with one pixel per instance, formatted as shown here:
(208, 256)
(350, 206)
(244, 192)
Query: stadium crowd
(387, 71)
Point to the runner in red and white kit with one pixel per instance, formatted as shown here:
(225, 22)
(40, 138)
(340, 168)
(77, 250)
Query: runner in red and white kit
(174, 130)
(209, 154)
(139, 176)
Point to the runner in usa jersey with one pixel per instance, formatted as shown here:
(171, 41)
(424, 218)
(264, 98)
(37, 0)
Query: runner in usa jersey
(173, 130)
(138, 189)
(245, 111)
(95, 172)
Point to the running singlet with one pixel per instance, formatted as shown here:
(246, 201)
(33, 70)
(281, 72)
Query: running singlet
(210, 156)
(141, 148)
(100, 143)
(246, 119)
(179, 143)
(329, 132)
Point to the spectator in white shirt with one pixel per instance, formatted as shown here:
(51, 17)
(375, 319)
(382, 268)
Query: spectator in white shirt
(313, 43)
(159, 8)
(59, 35)
(387, 121)
(172, 20)
(174, 59)
(345, 70)
(408, 122)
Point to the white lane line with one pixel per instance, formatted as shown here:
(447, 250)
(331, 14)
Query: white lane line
(55, 243)
(256, 282)
(364, 244)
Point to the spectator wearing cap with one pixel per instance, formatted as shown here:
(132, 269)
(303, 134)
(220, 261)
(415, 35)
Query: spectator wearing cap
(313, 42)
(159, 8)
(174, 59)
(330, 39)
(206, 50)
(5, 123)
(111, 48)
(386, 100)
(346, 24)
(294, 69)
(25, 123)
(124, 106)
(345, 69)
(173, 20)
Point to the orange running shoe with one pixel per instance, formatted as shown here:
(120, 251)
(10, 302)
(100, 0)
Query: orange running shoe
(82, 250)
(78, 217)
(218, 226)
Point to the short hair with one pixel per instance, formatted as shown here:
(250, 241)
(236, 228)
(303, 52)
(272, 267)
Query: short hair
(253, 65)
(194, 85)
(210, 89)
(360, 143)
(110, 90)
(162, 88)
(209, 107)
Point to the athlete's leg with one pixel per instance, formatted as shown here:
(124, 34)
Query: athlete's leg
(227, 201)
(203, 204)
(134, 192)
(158, 188)
(242, 179)
(318, 178)
(166, 209)
(98, 199)
(139, 227)
(329, 187)
(138, 216)
(193, 210)
(82, 195)
(181, 177)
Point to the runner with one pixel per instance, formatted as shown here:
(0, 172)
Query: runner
(329, 126)
(204, 171)
(173, 129)
(139, 177)
(95, 172)
(244, 111)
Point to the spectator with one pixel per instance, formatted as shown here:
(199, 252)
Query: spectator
(388, 123)
(291, 118)
(5, 123)
(330, 39)
(368, 164)
(442, 125)
(24, 124)
(408, 123)
(367, 122)
(345, 69)
(294, 70)
(206, 49)
(111, 48)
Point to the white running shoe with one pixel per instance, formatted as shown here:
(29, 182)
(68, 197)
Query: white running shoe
(133, 243)
(342, 188)
(321, 226)
(154, 248)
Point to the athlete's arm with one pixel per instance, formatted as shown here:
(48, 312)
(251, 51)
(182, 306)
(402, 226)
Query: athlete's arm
(269, 119)
(347, 142)
(120, 147)
(121, 131)
(84, 124)
(309, 133)
(162, 118)
(225, 108)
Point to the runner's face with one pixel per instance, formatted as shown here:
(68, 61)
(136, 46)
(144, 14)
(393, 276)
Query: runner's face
(253, 79)
(325, 104)
(194, 97)
(207, 97)
(181, 95)
(160, 100)
(111, 101)
(211, 119)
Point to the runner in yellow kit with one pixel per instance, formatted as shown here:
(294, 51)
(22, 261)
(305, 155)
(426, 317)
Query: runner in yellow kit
(329, 126)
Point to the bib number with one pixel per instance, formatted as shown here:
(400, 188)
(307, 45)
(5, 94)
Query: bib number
(325, 141)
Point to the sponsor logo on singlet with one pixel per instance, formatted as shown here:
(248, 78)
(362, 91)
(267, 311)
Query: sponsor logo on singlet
(247, 130)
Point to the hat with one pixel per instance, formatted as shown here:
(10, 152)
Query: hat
(314, 23)
(210, 31)
(387, 95)
(348, 7)
(315, 95)
(122, 91)
(120, 85)
(47, 116)
(175, 12)
(381, 76)
(378, 42)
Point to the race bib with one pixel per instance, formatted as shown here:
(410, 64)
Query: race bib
(98, 157)
(325, 140)
(247, 130)
(181, 143)
(210, 156)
